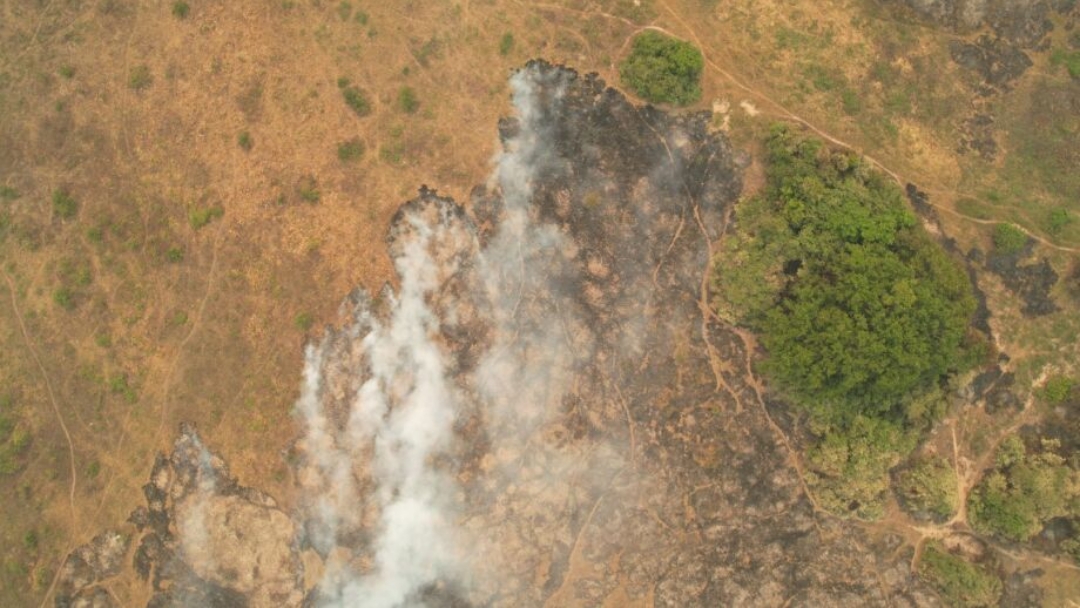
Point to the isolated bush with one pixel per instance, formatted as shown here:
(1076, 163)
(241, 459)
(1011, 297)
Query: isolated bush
(180, 10)
(1057, 389)
(407, 100)
(199, 217)
(356, 99)
(244, 141)
(1009, 239)
(506, 44)
(350, 150)
(64, 206)
(140, 77)
(661, 69)
(1058, 220)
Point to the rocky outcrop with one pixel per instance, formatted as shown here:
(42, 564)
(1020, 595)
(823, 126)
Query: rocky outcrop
(208, 541)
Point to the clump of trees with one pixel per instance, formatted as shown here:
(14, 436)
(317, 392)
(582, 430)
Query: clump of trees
(1026, 489)
(862, 314)
(662, 69)
(928, 488)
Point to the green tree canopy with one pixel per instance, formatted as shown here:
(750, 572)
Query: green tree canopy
(661, 69)
(859, 310)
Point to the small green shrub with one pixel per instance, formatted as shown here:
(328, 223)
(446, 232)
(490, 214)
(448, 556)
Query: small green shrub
(350, 150)
(506, 44)
(174, 254)
(199, 217)
(344, 10)
(1059, 218)
(140, 77)
(245, 141)
(7, 193)
(356, 99)
(661, 69)
(308, 189)
(959, 582)
(1009, 239)
(1071, 61)
(30, 540)
(851, 102)
(407, 100)
(304, 321)
(1057, 389)
(64, 206)
(180, 10)
(64, 298)
(67, 72)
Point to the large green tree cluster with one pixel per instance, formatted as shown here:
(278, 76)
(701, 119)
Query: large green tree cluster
(662, 69)
(858, 308)
(862, 315)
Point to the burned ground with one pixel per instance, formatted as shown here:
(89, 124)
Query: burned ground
(654, 475)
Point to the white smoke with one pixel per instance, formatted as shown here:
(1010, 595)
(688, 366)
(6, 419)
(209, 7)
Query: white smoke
(382, 467)
(402, 419)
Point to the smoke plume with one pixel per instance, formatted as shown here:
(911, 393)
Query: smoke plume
(378, 402)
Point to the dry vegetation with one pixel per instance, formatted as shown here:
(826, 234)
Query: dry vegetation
(187, 192)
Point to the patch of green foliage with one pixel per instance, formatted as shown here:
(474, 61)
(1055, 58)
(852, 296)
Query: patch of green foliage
(928, 487)
(350, 150)
(64, 297)
(67, 72)
(1058, 219)
(140, 77)
(850, 468)
(1057, 389)
(244, 141)
(344, 10)
(356, 99)
(407, 100)
(1009, 239)
(304, 321)
(506, 44)
(862, 314)
(174, 254)
(308, 189)
(199, 217)
(851, 102)
(14, 440)
(64, 207)
(959, 582)
(1070, 59)
(180, 10)
(661, 69)
(1024, 491)
(7, 193)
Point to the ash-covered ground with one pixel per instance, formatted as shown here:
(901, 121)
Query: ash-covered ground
(541, 413)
